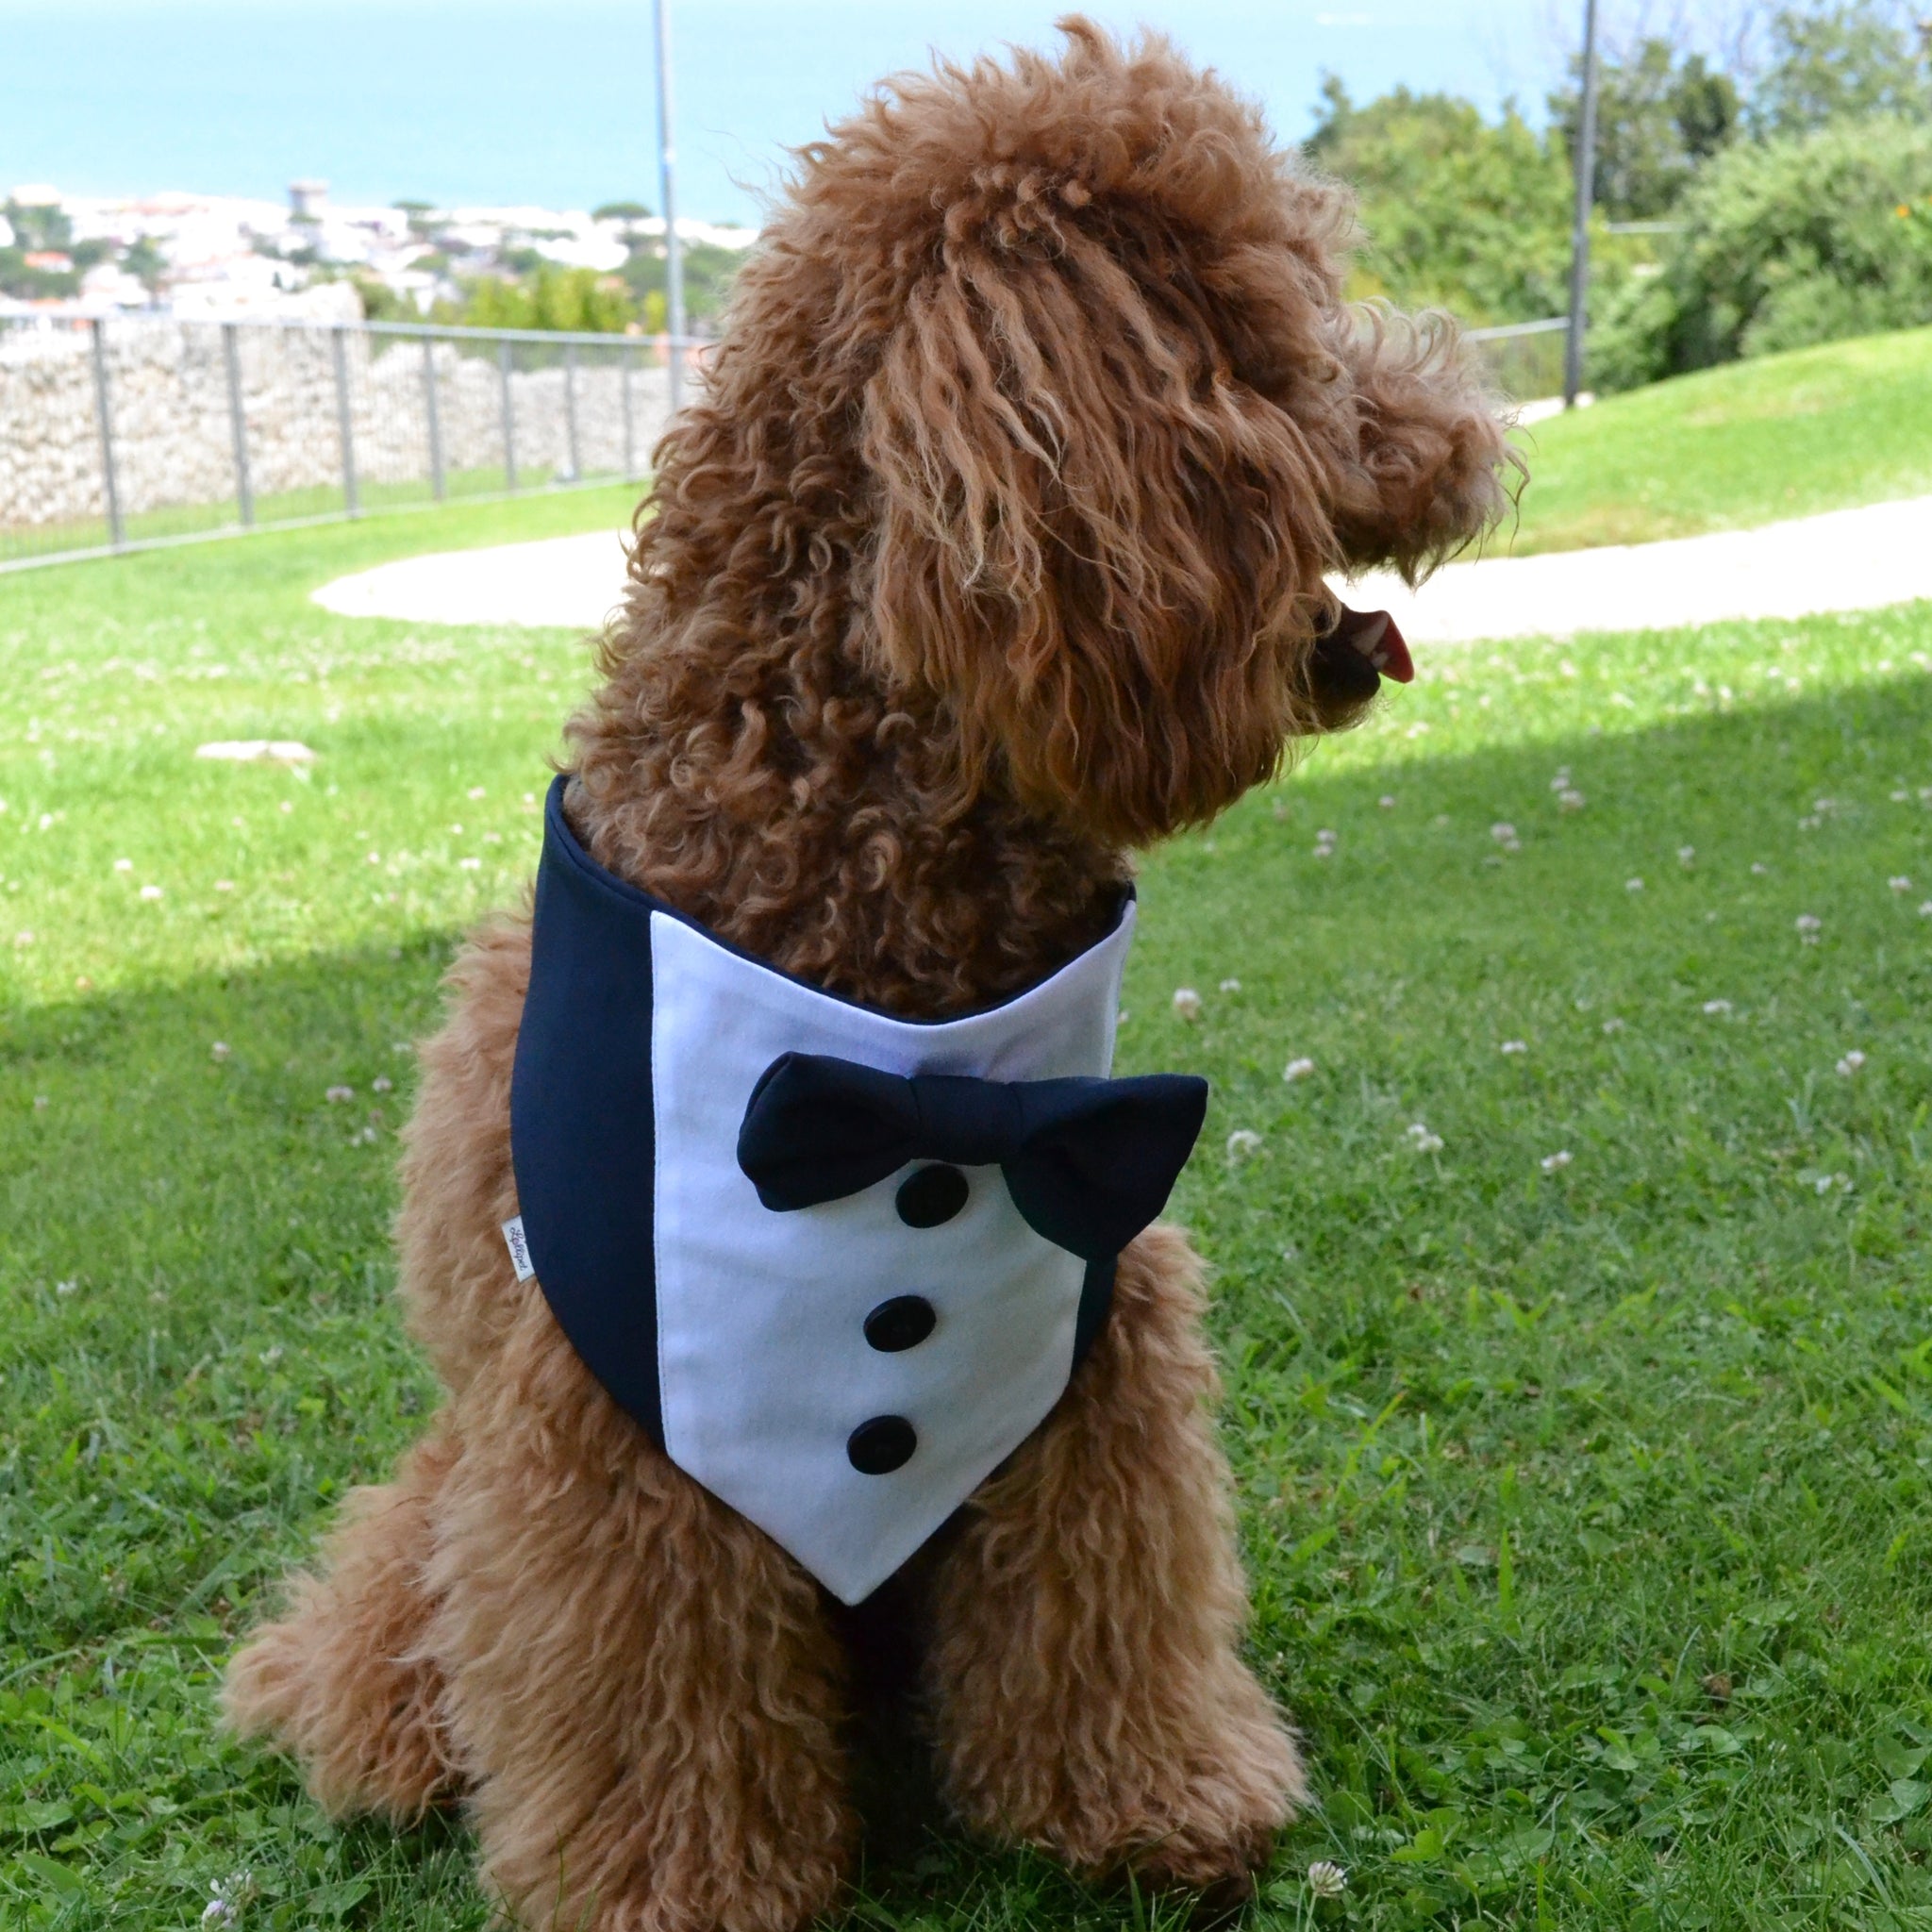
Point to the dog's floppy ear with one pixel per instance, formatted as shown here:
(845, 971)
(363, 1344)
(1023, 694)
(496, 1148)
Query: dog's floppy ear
(1089, 537)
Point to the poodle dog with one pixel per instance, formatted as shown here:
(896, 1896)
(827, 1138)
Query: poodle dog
(992, 550)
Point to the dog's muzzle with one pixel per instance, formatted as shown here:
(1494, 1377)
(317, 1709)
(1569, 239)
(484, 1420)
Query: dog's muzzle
(1362, 648)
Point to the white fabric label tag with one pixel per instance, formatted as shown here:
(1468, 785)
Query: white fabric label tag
(519, 1248)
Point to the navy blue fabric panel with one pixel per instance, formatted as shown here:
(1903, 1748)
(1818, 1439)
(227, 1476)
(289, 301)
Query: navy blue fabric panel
(1096, 1303)
(582, 1140)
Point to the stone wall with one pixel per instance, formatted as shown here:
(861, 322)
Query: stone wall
(172, 436)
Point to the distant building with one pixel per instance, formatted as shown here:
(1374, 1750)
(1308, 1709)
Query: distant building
(307, 200)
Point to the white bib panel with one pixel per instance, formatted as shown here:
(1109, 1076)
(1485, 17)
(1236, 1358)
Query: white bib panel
(763, 1368)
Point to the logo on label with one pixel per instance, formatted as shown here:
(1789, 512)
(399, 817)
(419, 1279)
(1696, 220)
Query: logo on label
(519, 1248)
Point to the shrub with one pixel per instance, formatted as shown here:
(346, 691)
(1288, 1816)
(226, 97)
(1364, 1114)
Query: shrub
(559, 298)
(1786, 243)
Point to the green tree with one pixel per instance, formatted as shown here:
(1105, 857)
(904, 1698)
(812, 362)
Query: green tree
(1786, 243)
(39, 227)
(1846, 61)
(575, 299)
(1661, 114)
(709, 273)
(1457, 211)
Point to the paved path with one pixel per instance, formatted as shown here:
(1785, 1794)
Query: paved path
(1847, 559)
(569, 582)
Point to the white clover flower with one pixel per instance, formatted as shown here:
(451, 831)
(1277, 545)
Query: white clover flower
(1187, 1003)
(1925, 910)
(224, 885)
(381, 1084)
(1760, 869)
(1899, 883)
(1230, 986)
(150, 892)
(1503, 832)
(41, 1103)
(1516, 1046)
(1809, 825)
(476, 791)
(374, 859)
(1851, 1063)
(1561, 781)
(288, 805)
(1551, 1162)
(66, 1288)
(1825, 805)
(1716, 1007)
(1613, 1026)
(1386, 801)
(1423, 1141)
(1809, 925)
(1686, 855)
(1298, 1069)
(469, 865)
(1902, 796)
(1327, 1880)
(123, 865)
(1570, 800)
(227, 1895)
(271, 1356)
(220, 1050)
(337, 1096)
(23, 939)
(1633, 885)
(1242, 1142)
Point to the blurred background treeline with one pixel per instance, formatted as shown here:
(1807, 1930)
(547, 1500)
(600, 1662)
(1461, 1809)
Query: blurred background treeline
(1759, 188)
(1768, 190)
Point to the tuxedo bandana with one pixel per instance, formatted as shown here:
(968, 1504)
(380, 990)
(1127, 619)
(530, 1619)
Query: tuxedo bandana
(836, 1265)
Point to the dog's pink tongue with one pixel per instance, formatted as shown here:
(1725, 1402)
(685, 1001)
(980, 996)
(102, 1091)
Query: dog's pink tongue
(1375, 635)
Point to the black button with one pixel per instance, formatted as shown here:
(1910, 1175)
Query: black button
(880, 1446)
(904, 1321)
(932, 1196)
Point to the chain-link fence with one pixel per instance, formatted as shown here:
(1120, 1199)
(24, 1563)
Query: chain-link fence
(120, 433)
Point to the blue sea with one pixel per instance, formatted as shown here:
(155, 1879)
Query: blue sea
(553, 104)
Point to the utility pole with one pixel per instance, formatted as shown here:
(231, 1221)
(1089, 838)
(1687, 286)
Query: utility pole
(667, 174)
(1586, 185)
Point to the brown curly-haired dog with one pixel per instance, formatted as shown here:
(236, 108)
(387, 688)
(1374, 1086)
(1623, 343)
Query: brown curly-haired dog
(993, 549)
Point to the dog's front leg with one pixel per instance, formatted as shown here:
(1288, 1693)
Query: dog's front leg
(1084, 1672)
(643, 1687)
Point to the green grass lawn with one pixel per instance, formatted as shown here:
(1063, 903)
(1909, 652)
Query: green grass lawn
(1781, 436)
(1575, 1306)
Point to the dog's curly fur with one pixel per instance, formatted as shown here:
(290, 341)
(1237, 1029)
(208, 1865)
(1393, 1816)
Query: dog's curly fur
(993, 549)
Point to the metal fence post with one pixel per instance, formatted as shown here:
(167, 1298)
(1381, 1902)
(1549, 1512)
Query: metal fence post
(631, 437)
(570, 410)
(345, 425)
(504, 360)
(238, 424)
(436, 483)
(111, 483)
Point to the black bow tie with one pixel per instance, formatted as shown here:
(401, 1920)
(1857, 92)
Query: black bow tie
(1089, 1163)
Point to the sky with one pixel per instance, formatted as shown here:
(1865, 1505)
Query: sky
(483, 101)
